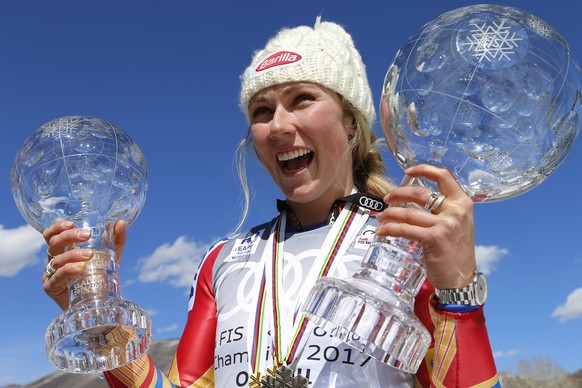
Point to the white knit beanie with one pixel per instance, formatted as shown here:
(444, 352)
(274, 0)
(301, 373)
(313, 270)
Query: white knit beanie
(324, 54)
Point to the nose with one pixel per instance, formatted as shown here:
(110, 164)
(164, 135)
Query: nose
(282, 123)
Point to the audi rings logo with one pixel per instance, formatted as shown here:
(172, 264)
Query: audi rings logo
(372, 204)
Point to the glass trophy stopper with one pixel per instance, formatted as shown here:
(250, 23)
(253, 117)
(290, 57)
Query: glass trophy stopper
(493, 94)
(88, 171)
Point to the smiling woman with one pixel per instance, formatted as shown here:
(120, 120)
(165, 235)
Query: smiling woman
(300, 133)
(310, 113)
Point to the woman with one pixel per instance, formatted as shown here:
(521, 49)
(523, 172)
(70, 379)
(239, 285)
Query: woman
(309, 107)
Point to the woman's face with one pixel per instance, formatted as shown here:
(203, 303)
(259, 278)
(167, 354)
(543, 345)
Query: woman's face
(300, 133)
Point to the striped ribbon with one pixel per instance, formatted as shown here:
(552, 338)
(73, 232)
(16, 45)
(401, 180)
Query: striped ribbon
(349, 222)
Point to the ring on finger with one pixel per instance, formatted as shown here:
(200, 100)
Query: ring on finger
(50, 270)
(434, 201)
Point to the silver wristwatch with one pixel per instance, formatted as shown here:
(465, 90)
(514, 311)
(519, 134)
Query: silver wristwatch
(475, 294)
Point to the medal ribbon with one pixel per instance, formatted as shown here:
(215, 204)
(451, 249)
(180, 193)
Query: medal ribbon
(287, 335)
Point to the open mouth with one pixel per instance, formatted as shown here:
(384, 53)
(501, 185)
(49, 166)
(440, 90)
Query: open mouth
(295, 160)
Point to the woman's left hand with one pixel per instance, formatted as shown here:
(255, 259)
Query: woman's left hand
(447, 233)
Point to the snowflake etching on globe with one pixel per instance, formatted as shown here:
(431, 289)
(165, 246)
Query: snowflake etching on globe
(59, 128)
(468, 114)
(492, 42)
(540, 27)
(493, 94)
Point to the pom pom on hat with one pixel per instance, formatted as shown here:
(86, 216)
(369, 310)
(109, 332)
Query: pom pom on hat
(324, 54)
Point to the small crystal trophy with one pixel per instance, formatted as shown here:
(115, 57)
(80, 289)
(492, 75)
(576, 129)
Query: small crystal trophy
(493, 94)
(88, 171)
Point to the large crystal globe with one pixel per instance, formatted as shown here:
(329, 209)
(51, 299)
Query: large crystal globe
(82, 169)
(490, 92)
(88, 171)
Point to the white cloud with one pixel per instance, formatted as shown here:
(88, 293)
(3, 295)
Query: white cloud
(19, 249)
(168, 329)
(572, 308)
(488, 256)
(175, 264)
(505, 353)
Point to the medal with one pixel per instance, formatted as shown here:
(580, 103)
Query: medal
(282, 377)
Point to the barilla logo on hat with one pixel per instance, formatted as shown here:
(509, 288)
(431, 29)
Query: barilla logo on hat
(277, 60)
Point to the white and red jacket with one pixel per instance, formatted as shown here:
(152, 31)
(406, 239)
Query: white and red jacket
(214, 348)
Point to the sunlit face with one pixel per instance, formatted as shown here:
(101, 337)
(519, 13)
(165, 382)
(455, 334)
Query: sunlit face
(300, 133)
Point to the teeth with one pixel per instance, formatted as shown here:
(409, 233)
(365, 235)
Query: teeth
(292, 154)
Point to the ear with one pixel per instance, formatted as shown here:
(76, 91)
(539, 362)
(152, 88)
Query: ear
(350, 126)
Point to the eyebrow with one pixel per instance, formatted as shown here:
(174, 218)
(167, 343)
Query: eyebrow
(286, 91)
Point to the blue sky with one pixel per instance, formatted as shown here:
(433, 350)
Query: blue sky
(167, 73)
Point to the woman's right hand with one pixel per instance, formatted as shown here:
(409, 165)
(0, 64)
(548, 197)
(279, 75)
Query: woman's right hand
(69, 263)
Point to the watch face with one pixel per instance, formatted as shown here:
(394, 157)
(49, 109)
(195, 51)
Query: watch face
(480, 289)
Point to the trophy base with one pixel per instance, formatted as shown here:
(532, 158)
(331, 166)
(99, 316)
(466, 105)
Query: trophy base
(370, 319)
(97, 336)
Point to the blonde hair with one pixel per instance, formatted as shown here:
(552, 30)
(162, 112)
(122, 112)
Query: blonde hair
(369, 171)
(368, 167)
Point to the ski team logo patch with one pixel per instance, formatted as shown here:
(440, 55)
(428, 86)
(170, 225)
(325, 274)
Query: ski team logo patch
(244, 246)
(278, 60)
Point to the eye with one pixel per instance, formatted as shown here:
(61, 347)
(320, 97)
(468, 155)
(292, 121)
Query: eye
(304, 97)
(260, 111)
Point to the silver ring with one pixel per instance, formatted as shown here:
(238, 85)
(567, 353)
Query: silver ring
(434, 201)
(50, 270)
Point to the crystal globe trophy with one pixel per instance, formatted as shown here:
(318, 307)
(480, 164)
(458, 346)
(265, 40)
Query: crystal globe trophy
(493, 94)
(88, 171)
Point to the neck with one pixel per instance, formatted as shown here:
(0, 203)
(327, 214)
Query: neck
(301, 218)
(305, 215)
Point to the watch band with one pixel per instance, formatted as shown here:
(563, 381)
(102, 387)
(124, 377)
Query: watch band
(474, 294)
